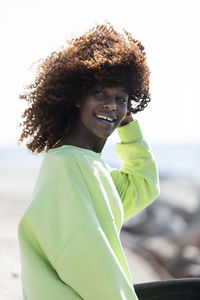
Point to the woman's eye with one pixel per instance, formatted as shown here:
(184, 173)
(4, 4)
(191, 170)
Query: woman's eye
(99, 92)
(122, 99)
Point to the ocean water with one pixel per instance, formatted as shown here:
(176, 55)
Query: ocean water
(172, 160)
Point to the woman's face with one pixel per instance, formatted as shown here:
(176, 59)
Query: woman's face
(102, 109)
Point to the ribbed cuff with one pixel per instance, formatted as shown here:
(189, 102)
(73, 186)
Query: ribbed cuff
(130, 133)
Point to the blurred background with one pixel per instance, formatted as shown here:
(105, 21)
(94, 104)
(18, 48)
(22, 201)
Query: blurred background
(163, 241)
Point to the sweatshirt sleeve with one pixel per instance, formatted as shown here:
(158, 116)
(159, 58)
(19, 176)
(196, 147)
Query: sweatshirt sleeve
(137, 182)
(89, 265)
(72, 236)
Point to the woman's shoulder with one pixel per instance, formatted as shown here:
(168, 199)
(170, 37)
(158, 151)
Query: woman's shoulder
(69, 157)
(72, 153)
(59, 157)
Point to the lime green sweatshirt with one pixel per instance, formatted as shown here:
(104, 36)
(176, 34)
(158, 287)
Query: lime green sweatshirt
(69, 235)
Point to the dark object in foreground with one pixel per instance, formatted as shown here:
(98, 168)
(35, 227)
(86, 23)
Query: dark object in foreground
(177, 289)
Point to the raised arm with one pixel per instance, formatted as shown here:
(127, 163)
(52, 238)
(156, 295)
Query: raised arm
(137, 182)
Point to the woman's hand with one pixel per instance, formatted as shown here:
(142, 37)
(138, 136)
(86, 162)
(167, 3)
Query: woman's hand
(128, 117)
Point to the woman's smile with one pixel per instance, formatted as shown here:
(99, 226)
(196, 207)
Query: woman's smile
(106, 120)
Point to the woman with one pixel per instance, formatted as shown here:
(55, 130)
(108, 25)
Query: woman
(69, 235)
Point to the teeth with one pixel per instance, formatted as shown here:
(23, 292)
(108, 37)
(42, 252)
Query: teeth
(105, 118)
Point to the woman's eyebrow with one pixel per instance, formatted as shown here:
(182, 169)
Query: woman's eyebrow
(125, 90)
(122, 89)
(99, 87)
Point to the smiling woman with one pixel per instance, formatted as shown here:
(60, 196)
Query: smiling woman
(69, 235)
(100, 57)
(100, 112)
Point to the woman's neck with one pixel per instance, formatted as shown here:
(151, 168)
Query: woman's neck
(82, 139)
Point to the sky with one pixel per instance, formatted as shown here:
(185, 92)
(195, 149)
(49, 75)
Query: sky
(169, 30)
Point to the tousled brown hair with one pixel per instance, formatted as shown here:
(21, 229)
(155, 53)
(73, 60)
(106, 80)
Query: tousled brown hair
(102, 55)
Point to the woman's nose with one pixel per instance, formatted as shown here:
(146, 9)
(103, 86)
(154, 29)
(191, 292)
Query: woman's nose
(110, 104)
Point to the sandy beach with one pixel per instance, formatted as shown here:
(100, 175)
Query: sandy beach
(15, 190)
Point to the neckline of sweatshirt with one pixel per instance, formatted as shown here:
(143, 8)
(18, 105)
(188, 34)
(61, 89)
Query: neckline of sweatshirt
(70, 147)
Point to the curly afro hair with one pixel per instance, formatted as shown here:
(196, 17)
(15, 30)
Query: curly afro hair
(100, 56)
